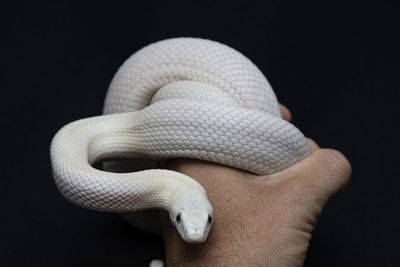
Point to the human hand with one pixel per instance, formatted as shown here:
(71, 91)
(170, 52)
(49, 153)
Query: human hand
(259, 220)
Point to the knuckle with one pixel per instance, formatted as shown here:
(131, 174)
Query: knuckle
(338, 162)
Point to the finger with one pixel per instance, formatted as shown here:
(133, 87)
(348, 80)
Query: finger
(285, 113)
(319, 176)
(313, 144)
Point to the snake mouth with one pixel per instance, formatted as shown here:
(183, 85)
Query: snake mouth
(194, 236)
(195, 239)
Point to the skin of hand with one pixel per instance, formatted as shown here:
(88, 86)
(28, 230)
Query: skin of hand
(258, 220)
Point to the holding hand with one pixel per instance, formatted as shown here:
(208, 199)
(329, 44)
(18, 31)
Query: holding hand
(259, 220)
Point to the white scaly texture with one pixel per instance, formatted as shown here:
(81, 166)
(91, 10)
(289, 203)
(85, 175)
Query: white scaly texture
(178, 98)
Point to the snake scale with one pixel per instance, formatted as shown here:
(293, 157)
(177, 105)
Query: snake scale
(176, 98)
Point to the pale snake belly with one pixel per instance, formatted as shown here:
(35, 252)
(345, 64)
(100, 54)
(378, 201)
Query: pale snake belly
(177, 98)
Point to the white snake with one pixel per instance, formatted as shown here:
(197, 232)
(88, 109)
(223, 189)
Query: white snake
(177, 98)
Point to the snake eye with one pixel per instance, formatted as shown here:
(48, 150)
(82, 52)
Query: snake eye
(209, 219)
(178, 218)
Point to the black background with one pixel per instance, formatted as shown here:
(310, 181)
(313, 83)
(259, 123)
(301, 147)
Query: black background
(336, 66)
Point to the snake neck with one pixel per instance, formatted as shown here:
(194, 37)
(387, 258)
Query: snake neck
(78, 145)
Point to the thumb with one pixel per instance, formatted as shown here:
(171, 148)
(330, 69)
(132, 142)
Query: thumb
(319, 176)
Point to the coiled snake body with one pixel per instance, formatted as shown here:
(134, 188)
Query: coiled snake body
(178, 98)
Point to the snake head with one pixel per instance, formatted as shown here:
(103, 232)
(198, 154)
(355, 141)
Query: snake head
(192, 215)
